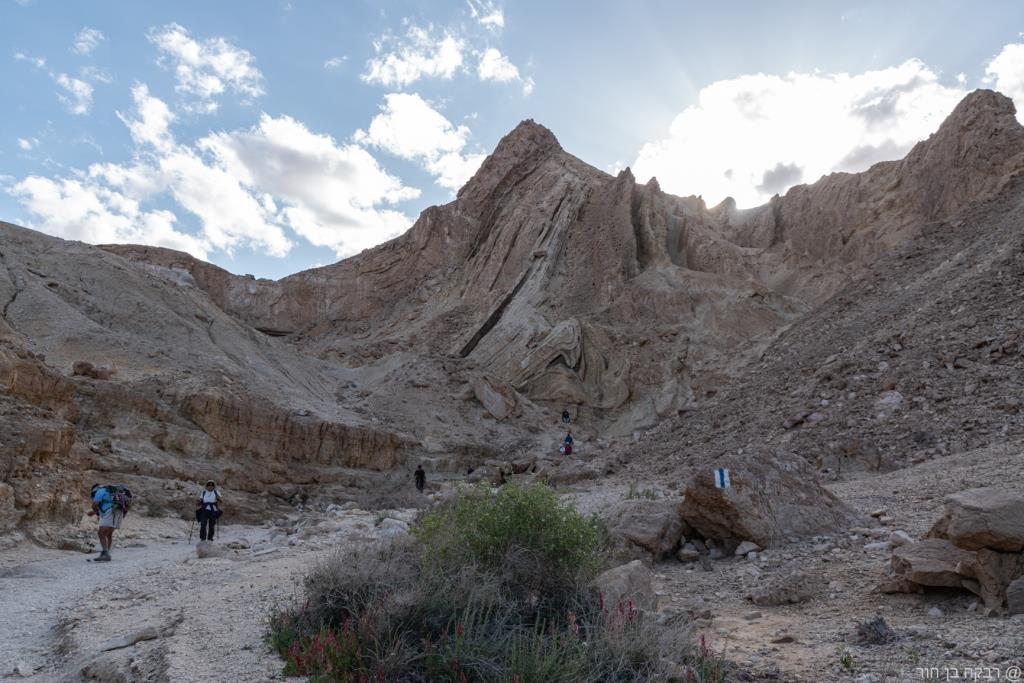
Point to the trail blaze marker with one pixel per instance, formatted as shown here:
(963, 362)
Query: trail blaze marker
(722, 478)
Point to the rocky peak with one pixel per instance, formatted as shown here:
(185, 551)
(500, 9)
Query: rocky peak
(980, 108)
(526, 146)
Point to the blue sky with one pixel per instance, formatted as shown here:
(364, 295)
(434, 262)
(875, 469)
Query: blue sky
(270, 137)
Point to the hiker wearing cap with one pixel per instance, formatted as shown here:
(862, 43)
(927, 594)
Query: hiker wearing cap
(109, 504)
(208, 510)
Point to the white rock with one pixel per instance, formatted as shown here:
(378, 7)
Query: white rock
(900, 537)
(746, 547)
(23, 669)
(935, 612)
(878, 546)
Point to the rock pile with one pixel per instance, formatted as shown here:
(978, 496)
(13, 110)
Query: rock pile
(977, 545)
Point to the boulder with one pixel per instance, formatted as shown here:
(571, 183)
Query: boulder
(994, 573)
(1015, 597)
(983, 518)
(497, 397)
(931, 562)
(627, 583)
(87, 369)
(770, 497)
(653, 527)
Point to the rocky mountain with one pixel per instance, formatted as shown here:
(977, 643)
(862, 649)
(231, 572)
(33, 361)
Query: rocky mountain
(546, 283)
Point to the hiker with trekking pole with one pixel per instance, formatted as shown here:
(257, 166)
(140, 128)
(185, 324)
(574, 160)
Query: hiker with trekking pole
(207, 512)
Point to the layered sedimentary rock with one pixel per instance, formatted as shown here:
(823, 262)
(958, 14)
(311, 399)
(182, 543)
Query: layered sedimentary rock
(546, 283)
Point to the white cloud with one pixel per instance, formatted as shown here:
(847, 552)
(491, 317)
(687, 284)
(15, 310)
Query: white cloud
(495, 66)
(152, 127)
(37, 62)
(421, 53)
(335, 62)
(87, 40)
(330, 193)
(205, 70)
(245, 188)
(94, 73)
(77, 95)
(489, 14)
(1006, 73)
(78, 99)
(78, 209)
(752, 136)
(28, 144)
(409, 127)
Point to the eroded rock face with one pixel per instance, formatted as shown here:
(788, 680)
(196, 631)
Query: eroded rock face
(579, 288)
(983, 518)
(771, 497)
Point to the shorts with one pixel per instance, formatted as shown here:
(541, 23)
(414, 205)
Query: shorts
(111, 518)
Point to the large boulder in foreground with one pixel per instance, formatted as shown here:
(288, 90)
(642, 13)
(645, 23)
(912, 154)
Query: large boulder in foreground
(770, 497)
(990, 518)
(644, 527)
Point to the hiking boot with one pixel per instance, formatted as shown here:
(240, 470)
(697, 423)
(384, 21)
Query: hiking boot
(104, 557)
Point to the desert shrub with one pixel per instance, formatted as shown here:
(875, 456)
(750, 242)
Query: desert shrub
(391, 493)
(542, 548)
(489, 587)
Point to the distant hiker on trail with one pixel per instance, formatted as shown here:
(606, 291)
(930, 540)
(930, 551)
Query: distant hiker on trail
(208, 511)
(110, 504)
(565, 416)
(568, 438)
(421, 478)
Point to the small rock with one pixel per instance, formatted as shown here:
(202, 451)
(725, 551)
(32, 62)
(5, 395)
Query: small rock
(752, 616)
(867, 678)
(879, 512)
(878, 546)
(23, 669)
(935, 612)
(147, 633)
(746, 547)
(688, 555)
(899, 537)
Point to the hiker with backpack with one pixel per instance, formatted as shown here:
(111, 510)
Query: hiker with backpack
(110, 504)
(208, 511)
(566, 419)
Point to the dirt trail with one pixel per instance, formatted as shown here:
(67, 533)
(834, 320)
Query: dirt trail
(62, 618)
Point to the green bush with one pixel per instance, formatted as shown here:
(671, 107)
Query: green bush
(542, 549)
(489, 587)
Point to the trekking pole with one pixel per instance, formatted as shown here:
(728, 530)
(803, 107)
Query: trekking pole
(190, 530)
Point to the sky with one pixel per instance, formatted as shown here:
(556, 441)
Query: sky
(273, 136)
